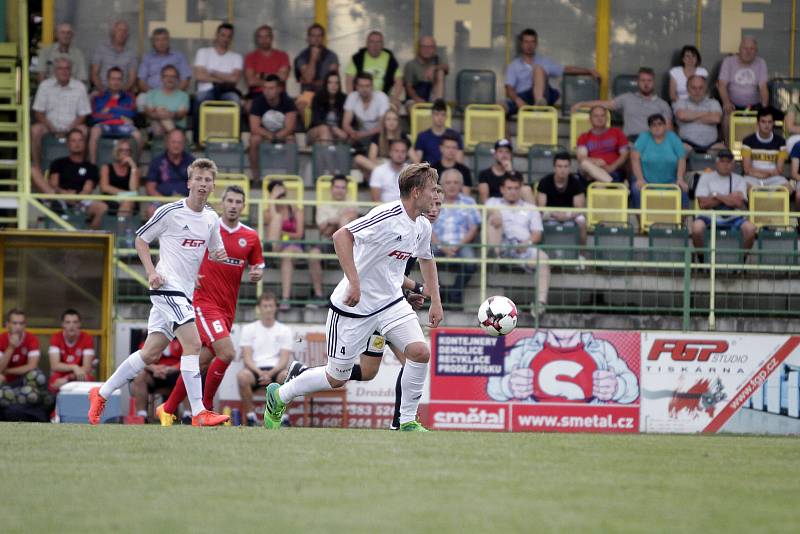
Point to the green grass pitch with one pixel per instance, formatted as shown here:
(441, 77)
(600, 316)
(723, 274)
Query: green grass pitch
(76, 478)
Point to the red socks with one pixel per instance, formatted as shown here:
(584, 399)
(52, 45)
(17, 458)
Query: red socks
(175, 397)
(214, 376)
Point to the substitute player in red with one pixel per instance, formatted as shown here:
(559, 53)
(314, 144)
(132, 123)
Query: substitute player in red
(215, 300)
(185, 230)
(71, 353)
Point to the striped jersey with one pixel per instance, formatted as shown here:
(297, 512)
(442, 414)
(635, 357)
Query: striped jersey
(764, 153)
(183, 236)
(384, 240)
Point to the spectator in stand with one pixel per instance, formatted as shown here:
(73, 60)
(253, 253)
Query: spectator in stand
(635, 107)
(71, 353)
(285, 224)
(378, 152)
(698, 117)
(527, 76)
(62, 48)
(426, 147)
(330, 217)
(151, 69)
(273, 118)
(454, 231)
(167, 175)
(313, 65)
(658, 157)
(679, 75)
(166, 106)
(157, 377)
(791, 126)
(114, 54)
(602, 151)
(217, 70)
(19, 364)
(723, 190)
(562, 189)
(73, 175)
(449, 148)
(327, 112)
(267, 346)
(764, 153)
(367, 107)
(60, 105)
(795, 163)
(490, 181)
(383, 182)
(263, 62)
(518, 231)
(424, 76)
(381, 64)
(119, 177)
(112, 114)
(742, 82)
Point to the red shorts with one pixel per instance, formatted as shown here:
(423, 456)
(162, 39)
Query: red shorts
(57, 375)
(212, 324)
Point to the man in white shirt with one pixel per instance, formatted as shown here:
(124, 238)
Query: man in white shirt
(373, 251)
(267, 347)
(367, 106)
(61, 104)
(185, 230)
(514, 232)
(383, 182)
(217, 70)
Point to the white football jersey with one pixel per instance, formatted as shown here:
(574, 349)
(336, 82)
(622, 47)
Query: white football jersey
(384, 240)
(183, 237)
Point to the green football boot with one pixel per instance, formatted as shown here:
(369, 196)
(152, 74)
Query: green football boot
(273, 408)
(412, 426)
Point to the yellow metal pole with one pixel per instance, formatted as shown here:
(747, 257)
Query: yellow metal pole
(48, 21)
(24, 115)
(601, 44)
(107, 362)
(321, 13)
(509, 38)
(792, 39)
(142, 31)
(230, 11)
(698, 29)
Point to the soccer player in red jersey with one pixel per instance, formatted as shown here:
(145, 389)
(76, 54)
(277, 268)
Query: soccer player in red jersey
(71, 353)
(19, 349)
(215, 300)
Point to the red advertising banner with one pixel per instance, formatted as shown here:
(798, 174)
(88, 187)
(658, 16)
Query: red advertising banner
(535, 380)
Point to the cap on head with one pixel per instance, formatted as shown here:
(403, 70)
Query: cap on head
(725, 154)
(502, 143)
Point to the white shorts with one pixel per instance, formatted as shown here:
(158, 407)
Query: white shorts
(170, 310)
(348, 337)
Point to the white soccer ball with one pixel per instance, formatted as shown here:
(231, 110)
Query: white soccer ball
(273, 120)
(497, 316)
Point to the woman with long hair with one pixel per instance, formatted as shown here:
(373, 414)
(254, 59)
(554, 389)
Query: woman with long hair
(379, 146)
(120, 176)
(327, 111)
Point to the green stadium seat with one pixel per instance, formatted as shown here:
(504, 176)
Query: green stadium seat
(278, 158)
(482, 158)
(330, 158)
(540, 160)
(729, 247)
(229, 157)
(777, 246)
(475, 87)
(613, 242)
(53, 148)
(663, 236)
(577, 88)
(565, 237)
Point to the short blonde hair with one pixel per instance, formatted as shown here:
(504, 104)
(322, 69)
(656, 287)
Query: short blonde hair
(117, 145)
(202, 164)
(416, 175)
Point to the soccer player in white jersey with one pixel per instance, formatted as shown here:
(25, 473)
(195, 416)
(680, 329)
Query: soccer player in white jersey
(184, 229)
(373, 251)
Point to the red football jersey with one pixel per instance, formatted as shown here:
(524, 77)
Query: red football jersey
(72, 354)
(220, 281)
(563, 374)
(28, 348)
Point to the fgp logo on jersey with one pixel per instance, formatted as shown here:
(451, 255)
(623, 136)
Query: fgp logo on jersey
(193, 243)
(400, 254)
(684, 350)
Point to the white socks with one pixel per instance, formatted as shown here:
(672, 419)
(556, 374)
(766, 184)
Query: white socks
(310, 381)
(190, 371)
(126, 372)
(413, 382)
